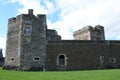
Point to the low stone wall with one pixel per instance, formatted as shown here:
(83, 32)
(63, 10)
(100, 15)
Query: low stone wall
(23, 68)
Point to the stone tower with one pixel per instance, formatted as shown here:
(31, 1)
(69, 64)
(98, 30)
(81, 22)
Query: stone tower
(90, 33)
(26, 42)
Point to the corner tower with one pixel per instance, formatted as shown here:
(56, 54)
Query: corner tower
(90, 33)
(26, 42)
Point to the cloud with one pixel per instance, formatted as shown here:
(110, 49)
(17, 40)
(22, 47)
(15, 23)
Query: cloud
(75, 14)
(3, 44)
(118, 37)
(39, 6)
(29, 4)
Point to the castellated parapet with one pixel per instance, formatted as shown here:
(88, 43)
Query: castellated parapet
(90, 33)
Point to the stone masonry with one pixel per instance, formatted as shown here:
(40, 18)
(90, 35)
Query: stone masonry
(90, 33)
(82, 55)
(26, 41)
(52, 35)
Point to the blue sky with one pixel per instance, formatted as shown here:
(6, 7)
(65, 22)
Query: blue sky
(66, 16)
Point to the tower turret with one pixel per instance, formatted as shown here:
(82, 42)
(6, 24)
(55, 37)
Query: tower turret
(26, 42)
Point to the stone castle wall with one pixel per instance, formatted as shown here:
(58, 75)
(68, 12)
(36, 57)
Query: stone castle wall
(33, 43)
(12, 49)
(83, 55)
(26, 41)
(52, 35)
(90, 33)
(83, 34)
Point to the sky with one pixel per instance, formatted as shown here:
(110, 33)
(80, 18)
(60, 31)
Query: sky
(65, 16)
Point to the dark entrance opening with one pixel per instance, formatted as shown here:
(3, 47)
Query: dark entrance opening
(61, 60)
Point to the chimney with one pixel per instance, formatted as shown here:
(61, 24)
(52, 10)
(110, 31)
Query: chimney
(30, 11)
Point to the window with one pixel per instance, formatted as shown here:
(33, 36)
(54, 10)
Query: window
(12, 59)
(27, 31)
(61, 60)
(37, 59)
(112, 60)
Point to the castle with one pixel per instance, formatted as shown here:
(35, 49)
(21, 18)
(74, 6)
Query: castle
(31, 46)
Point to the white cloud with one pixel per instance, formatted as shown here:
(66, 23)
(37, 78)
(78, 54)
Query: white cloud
(68, 7)
(78, 13)
(29, 4)
(118, 37)
(3, 44)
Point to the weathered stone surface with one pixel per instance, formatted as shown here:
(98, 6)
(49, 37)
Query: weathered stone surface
(83, 54)
(52, 35)
(90, 33)
(26, 41)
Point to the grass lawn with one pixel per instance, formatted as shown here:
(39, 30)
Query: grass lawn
(113, 74)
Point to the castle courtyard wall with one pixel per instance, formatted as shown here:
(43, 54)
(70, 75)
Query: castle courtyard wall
(82, 55)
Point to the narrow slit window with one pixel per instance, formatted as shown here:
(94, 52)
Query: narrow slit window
(36, 59)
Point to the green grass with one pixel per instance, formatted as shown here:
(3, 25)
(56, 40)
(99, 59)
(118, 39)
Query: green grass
(113, 74)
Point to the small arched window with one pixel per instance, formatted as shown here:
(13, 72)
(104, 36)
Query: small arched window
(61, 60)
